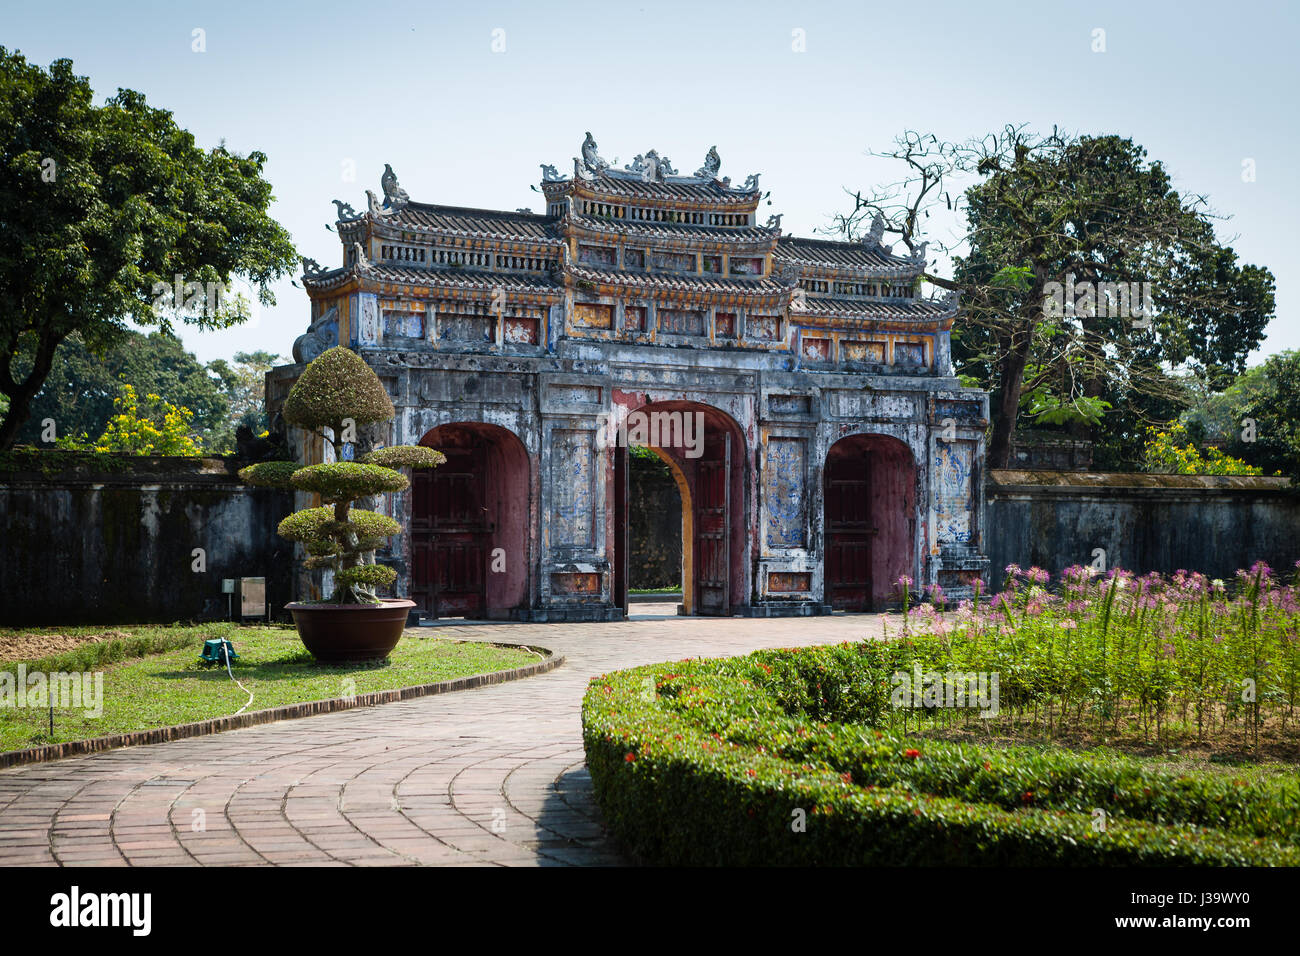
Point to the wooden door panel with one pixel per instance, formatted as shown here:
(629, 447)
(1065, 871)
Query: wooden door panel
(849, 534)
(451, 535)
(713, 533)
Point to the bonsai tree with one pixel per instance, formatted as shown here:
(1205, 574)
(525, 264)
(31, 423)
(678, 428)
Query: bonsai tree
(336, 394)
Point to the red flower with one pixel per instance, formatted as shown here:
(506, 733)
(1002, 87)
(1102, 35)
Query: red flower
(630, 758)
(1028, 797)
(987, 765)
(752, 773)
(911, 754)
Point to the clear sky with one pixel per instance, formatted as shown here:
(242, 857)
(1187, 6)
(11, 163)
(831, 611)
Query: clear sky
(465, 113)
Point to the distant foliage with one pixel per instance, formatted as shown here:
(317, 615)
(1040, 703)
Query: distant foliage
(1170, 450)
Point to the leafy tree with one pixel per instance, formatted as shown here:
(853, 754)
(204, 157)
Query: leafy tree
(244, 382)
(1257, 417)
(81, 388)
(1042, 209)
(106, 209)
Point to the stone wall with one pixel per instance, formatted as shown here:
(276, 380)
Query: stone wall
(116, 546)
(1212, 524)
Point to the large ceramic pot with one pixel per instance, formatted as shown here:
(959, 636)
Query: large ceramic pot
(349, 633)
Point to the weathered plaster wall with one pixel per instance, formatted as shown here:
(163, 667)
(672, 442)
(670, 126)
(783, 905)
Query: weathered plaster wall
(1142, 522)
(87, 548)
(782, 422)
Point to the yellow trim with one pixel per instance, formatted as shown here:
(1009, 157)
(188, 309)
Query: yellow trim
(688, 531)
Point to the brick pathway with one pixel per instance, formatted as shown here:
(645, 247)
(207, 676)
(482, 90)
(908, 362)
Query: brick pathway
(487, 776)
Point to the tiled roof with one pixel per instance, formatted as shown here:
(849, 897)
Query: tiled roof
(831, 252)
(468, 279)
(915, 310)
(694, 191)
(662, 230)
(476, 222)
(680, 282)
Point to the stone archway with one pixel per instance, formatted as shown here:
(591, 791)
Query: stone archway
(869, 520)
(705, 452)
(469, 524)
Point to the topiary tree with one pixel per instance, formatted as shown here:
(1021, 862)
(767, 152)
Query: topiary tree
(336, 394)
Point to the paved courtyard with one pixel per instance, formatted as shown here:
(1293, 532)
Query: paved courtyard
(492, 776)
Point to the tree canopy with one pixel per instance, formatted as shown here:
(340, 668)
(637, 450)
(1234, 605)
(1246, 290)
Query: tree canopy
(1047, 214)
(113, 215)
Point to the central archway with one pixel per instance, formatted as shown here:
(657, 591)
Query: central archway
(469, 524)
(705, 452)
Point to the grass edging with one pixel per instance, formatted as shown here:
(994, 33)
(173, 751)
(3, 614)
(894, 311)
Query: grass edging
(310, 708)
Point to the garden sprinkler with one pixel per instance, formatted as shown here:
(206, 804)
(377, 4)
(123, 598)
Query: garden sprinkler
(218, 650)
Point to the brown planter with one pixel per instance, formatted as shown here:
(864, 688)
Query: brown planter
(350, 633)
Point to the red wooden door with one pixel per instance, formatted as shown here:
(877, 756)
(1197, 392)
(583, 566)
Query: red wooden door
(849, 533)
(451, 535)
(622, 538)
(713, 533)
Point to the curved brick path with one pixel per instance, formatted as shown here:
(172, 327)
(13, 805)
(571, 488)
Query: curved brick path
(487, 776)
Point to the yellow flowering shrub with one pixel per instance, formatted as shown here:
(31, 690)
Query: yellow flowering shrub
(1170, 450)
(157, 428)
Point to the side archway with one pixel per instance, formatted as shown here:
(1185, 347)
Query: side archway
(869, 524)
(469, 524)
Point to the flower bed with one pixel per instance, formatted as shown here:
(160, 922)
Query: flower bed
(785, 757)
(1178, 660)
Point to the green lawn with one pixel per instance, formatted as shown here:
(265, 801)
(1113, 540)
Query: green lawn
(143, 689)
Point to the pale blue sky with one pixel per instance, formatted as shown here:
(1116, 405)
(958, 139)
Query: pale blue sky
(316, 86)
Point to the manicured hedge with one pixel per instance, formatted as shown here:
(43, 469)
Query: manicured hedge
(718, 762)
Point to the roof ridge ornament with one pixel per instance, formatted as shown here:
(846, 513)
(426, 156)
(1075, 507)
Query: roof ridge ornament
(311, 268)
(395, 197)
(362, 263)
(550, 174)
(712, 163)
(876, 236)
(651, 167)
(346, 212)
(751, 183)
(375, 207)
(774, 221)
(590, 157)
